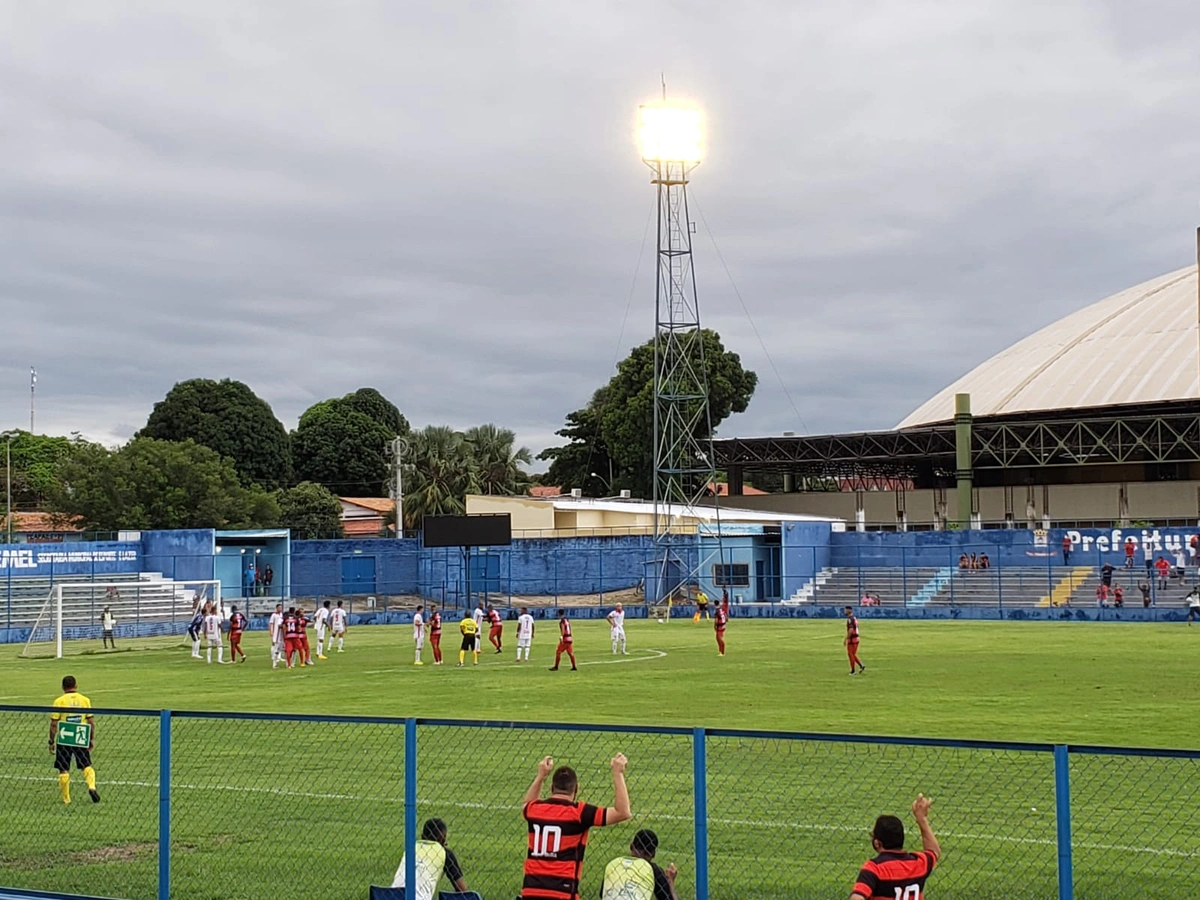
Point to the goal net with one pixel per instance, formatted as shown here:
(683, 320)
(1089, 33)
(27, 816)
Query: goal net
(94, 616)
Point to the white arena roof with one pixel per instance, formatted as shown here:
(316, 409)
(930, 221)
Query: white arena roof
(1138, 346)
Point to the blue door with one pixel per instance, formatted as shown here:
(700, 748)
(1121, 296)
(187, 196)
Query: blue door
(358, 574)
(485, 573)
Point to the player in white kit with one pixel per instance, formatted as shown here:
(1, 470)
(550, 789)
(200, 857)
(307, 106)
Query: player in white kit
(419, 633)
(320, 619)
(524, 633)
(275, 625)
(212, 636)
(337, 625)
(616, 622)
(479, 615)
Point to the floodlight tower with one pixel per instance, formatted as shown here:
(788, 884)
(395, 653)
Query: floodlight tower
(683, 455)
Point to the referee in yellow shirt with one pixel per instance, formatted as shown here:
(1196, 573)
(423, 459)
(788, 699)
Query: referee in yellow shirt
(469, 628)
(72, 736)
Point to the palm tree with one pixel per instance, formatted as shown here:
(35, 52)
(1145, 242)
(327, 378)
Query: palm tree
(443, 472)
(498, 463)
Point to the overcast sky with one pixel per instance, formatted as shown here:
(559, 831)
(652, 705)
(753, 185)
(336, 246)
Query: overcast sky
(444, 200)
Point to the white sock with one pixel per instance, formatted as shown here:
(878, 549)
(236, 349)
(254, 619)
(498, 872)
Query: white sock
(622, 645)
(418, 656)
(340, 643)
(196, 647)
(210, 654)
(614, 643)
(221, 653)
(320, 645)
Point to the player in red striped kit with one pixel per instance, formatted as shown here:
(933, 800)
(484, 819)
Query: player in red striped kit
(302, 638)
(290, 634)
(435, 634)
(851, 641)
(497, 628)
(565, 642)
(237, 624)
(720, 620)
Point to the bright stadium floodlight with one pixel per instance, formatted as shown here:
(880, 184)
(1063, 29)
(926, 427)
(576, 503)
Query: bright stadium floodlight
(669, 134)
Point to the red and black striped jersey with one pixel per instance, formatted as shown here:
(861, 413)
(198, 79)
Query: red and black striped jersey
(564, 629)
(289, 626)
(852, 628)
(237, 623)
(558, 834)
(721, 619)
(493, 617)
(435, 623)
(302, 624)
(894, 874)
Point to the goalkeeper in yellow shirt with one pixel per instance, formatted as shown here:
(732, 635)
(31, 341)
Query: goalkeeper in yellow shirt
(469, 628)
(72, 736)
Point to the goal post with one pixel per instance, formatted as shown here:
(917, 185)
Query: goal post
(75, 616)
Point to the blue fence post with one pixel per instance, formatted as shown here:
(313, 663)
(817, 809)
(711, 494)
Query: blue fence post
(164, 804)
(1062, 811)
(700, 811)
(410, 806)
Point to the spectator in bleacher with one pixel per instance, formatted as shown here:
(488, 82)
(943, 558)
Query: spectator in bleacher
(1164, 572)
(268, 577)
(1181, 566)
(1144, 587)
(974, 562)
(1148, 552)
(894, 872)
(1118, 597)
(1106, 573)
(108, 623)
(1066, 549)
(1130, 549)
(1101, 595)
(984, 562)
(637, 875)
(963, 562)
(1193, 602)
(434, 859)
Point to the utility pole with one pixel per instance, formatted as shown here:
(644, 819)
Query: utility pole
(8, 486)
(399, 448)
(32, 388)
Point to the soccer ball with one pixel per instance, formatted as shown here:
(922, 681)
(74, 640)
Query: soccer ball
(660, 620)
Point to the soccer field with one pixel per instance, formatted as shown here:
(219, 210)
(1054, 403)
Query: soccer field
(260, 803)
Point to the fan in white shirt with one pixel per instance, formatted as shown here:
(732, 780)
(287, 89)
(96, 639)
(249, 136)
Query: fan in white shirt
(524, 633)
(616, 621)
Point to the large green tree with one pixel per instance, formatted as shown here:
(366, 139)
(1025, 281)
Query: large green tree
(344, 443)
(37, 462)
(617, 425)
(153, 484)
(311, 511)
(440, 470)
(498, 460)
(232, 420)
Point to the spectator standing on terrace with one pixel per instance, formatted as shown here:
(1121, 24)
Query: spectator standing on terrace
(1148, 553)
(1144, 587)
(1193, 601)
(1164, 572)
(1118, 597)
(108, 623)
(434, 859)
(637, 876)
(895, 873)
(1130, 550)
(1066, 549)
(268, 577)
(1106, 574)
(559, 827)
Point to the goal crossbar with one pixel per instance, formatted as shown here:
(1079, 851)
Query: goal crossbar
(75, 603)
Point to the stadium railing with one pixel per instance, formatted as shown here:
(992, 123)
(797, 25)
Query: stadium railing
(206, 804)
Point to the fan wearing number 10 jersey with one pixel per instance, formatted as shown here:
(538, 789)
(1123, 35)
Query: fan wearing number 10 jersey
(896, 874)
(559, 826)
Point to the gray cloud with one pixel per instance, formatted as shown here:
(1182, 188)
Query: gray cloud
(445, 202)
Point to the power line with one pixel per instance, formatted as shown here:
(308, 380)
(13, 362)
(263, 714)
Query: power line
(721, 257)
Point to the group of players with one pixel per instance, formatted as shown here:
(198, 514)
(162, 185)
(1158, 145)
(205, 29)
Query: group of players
(471, 629)
(289, 633)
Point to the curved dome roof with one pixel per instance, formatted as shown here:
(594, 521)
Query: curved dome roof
(1138, 346)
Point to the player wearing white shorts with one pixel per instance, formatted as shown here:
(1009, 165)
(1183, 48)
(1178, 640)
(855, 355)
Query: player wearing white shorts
(419, 633)
(212, 636)
(479, 615)
(524, 633)
(320, 619)
(275, 625)
(616, 623)
(337, 625)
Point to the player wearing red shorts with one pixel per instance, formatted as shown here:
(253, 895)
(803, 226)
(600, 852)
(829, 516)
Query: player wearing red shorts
(851, 641)
(291, 634)
(720, 620)
(435, 634)
(237, 624)
(565, 642)
(302, 638)
(497, 628)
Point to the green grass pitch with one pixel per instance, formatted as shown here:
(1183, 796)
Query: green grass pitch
(258, 806)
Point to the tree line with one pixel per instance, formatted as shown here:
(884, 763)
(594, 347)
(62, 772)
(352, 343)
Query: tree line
(212, 454)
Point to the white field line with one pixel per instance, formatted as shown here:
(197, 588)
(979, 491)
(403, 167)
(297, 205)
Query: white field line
(741, 823)
(656, 654)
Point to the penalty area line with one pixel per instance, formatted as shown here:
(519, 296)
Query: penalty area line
(647, 655)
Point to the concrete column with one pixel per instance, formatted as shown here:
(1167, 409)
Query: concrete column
(962, 448)
(860, 511)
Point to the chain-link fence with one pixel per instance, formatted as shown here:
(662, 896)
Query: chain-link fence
(253, 805)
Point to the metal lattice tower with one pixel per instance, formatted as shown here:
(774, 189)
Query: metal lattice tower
(683, 454)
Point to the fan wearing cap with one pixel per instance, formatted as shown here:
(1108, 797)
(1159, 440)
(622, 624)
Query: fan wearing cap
(637, 876)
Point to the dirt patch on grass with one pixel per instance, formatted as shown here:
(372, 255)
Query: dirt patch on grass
(112, 853)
